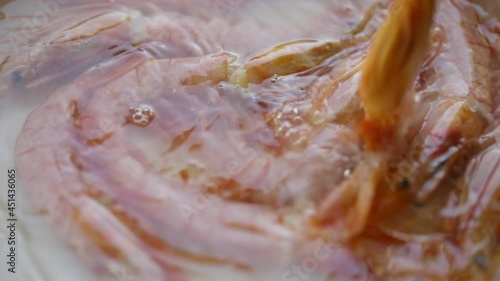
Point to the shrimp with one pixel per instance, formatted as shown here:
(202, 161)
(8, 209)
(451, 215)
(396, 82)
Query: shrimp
(381, 96)
(145, 154)
(89, 39)
(174, 149)
(98, 33)
(427, 162)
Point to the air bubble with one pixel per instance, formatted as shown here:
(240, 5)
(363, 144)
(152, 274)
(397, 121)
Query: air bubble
(290, 109)
(275, 78)
(141, 115)
(297, 120)
(347, 173)
(297, 136)
(319, 117)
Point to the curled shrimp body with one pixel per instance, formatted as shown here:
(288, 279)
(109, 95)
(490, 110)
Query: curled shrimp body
(181, 143)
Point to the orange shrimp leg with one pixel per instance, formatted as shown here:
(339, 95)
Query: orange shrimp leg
(391, 67)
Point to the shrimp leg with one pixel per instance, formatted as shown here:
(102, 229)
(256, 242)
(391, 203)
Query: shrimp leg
(391, 68)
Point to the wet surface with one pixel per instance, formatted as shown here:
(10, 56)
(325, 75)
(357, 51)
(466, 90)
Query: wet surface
(151, 126)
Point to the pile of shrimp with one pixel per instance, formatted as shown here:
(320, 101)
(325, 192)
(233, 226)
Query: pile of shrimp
(174, 150)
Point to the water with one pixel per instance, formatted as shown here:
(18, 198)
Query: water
(142, 115)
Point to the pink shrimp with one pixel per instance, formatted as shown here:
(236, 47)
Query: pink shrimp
(170, 148)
